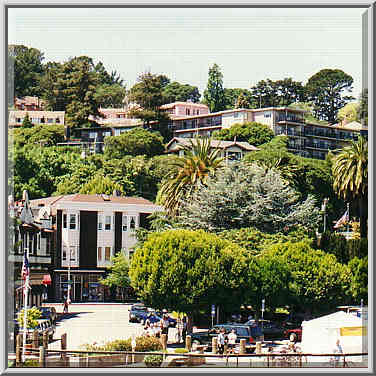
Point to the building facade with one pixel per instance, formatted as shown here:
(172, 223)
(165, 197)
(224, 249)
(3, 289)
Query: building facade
(228, 150)
(305, 139)
(36, 117)
(183, 109)
(29, 104)
(89, 230)
(30, 232)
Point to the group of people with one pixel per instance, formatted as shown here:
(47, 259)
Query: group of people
(229, 339)
(155, 329)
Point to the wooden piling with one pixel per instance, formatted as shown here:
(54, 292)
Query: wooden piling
(242, 346)
(188, 343)
(215, 345)
(42, 357)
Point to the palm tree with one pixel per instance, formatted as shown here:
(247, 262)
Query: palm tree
(188, 172)
(350, 171)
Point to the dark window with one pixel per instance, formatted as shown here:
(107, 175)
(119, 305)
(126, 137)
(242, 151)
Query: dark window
(64, 221)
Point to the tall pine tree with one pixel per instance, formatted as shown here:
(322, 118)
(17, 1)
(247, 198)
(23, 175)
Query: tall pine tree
(214, 95)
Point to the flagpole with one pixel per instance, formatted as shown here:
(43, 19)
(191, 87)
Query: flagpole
(26, 293)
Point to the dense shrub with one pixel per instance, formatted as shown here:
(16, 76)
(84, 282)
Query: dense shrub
(143, 344)
(344, 250)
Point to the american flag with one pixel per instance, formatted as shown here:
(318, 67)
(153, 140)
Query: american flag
(25, 267)
(344, 219)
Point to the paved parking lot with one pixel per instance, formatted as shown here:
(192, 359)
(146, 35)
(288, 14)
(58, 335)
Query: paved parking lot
(89, 323)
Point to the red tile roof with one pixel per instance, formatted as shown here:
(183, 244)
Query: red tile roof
(91, 198)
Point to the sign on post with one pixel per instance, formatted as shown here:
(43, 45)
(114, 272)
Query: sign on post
(263, 305)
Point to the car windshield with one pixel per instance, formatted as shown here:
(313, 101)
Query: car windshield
(243, 332)
(256, 331)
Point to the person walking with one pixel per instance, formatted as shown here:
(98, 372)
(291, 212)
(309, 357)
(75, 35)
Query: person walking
(184, 332)
(232, 341)
(221, 340)
(337, 350)
(65, 307)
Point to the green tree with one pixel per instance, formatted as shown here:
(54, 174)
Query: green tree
(195, 167)
(148, 93)
(47, 135)
(177, 92)
(27, 69)
(242, 195)
(214, 95)
(326, 90)
(268, 93)
(118, 272)
(100, 184)
(232, 98)
(110, 96)
(254, 133)
(348, 112)
(138, 141)
(359, 279)
(71, 87)
(362, 115)
(350, 171)
(318, 282)
(257, 242)
(26, 122)
(106, 78)
(33, 314)
(187, 271)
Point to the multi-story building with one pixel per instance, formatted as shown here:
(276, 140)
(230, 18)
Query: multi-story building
(310, 140)
(31, 232)
(89, 230)
(178, 110)
(36, 117)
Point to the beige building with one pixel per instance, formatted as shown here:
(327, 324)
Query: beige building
(229, 150)
(36, 117)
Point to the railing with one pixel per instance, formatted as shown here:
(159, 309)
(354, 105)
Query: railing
(84, 358)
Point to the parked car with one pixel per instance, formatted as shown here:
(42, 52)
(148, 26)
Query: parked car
(43, 325)
(136, 312)
(294, 335)
(251, 334)
(271, 329)
(48, 313)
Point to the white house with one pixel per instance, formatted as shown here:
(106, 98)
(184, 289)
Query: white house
(90, 229)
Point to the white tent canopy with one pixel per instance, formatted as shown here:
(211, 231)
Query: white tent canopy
(319, 335)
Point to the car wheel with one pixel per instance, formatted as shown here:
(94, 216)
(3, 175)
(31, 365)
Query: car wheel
(293, 337)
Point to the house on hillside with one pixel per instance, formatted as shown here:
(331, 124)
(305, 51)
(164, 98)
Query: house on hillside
(304, 139)
(229, 150)
(178, 110)
(89, 230)
(36, 117)
(29, 104)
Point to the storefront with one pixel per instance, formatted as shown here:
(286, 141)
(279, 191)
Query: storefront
(85, 286)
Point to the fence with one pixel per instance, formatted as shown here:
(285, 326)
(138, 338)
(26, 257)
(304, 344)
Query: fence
(99, 359)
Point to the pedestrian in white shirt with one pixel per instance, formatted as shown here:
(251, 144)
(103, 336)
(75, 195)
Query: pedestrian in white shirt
(232, 341)
(221, 340)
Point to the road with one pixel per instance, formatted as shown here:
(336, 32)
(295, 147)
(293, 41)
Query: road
(100, 323)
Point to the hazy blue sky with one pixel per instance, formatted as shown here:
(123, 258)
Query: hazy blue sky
(248, 44)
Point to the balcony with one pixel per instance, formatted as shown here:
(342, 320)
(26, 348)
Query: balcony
(321, 145)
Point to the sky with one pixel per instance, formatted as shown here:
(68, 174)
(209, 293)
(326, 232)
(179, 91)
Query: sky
(248, 44)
